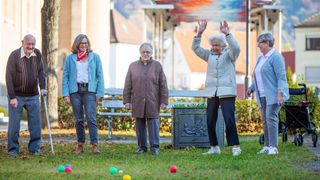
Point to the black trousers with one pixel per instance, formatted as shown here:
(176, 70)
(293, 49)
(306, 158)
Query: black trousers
(228, 109)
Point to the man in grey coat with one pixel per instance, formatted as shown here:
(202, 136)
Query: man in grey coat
(145, 92)
(220, 83)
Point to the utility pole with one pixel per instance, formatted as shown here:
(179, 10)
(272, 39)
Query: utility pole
(246, 80)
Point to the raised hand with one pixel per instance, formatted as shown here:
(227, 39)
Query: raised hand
(224, 27)
(202, 25)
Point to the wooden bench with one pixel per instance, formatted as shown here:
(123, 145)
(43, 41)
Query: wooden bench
(112, 104)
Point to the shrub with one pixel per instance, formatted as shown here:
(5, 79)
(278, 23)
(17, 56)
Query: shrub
(65, 114)
(66, 118)
(314, 106)
(3, 110)
(248, 116)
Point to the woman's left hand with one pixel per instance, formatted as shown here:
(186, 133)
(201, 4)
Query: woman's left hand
(163, 106)
(224, 27)
(280, 98)
(98, 99)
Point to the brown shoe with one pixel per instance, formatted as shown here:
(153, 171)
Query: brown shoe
(95, 149)
(80, 148)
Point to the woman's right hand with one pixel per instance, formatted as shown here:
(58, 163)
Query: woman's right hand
(128, 106)
(66, 99)
(202, 26)
(249, 92)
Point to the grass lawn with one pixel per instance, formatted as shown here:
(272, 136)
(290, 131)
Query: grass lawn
(190, 163)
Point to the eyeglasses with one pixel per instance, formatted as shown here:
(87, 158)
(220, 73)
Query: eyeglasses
(145, 52)
(264, 41)
(83, 43)
(215, 44)
(30, 44)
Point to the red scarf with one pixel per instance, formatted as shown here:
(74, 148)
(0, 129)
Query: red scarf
(82, 54)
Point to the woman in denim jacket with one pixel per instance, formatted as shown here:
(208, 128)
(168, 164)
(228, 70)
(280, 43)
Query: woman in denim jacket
(83, 86)
(270, 84)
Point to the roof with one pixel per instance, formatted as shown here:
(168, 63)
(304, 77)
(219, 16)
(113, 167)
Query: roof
(185, 37)
(124, 30)
(313, 21)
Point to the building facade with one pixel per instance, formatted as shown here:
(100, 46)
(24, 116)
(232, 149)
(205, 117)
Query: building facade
(307, 53)
(21, 17)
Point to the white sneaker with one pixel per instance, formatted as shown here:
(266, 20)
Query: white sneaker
(236, 151)
(213, 150)
(273, 151)
(264, 150)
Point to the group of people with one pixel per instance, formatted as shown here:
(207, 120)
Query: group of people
(145, 91)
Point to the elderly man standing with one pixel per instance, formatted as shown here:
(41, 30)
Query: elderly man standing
(220, 83)
(24, 73)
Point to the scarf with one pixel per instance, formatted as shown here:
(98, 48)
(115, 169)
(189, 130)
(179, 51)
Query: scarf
(82, 54)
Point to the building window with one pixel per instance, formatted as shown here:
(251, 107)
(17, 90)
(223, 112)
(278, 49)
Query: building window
(313, 43)
(312, 74)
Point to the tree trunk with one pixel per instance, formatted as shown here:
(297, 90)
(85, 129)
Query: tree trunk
(50, 23)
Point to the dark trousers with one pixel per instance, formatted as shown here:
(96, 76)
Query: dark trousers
(153, 133)
(228, 109)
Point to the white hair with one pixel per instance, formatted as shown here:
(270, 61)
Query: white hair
(29, 37)
(147, 46)
(219, 37)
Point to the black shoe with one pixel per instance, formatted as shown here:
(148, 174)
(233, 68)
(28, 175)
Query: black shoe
(140, 151)
(155, 152)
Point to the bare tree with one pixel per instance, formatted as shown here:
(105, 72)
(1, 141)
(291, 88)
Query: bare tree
(50, 23)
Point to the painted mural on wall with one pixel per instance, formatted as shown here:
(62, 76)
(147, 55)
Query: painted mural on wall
(294, 11)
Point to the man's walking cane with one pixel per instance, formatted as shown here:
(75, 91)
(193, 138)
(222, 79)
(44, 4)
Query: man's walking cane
(48, 122)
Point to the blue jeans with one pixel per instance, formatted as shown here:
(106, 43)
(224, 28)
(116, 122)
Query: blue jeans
(85, 103)
(270, 119)
(32, 105)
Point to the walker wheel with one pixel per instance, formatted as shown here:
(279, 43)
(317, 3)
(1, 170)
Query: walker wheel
(284, 136)
(315, 139)
(261, 139)
(298, 140)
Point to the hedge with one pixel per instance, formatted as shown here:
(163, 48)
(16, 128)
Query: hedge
(3, 110)
(247, 114)
(248, 121)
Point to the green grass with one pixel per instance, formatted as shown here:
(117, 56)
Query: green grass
(190, 163)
